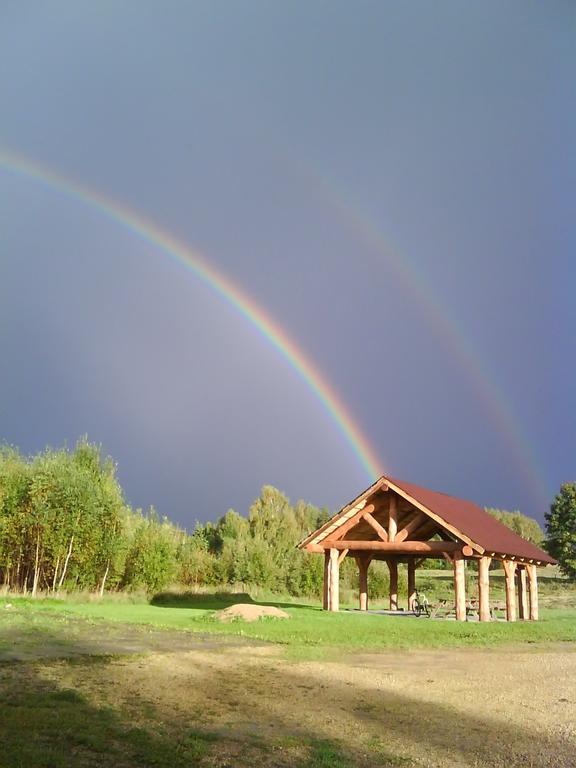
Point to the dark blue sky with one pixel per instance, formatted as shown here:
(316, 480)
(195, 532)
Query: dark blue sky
(393, 183)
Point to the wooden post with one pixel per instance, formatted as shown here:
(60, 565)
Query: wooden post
(510, 570)
(411, 583)
(393, 519)
(393, 568)
(522, 594)
(326, 585)
(484, 587)
(334, 589)
(533, 582)
(459, 587)
(363, 563)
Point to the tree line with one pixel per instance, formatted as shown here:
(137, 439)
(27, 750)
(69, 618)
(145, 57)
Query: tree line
(65, 525)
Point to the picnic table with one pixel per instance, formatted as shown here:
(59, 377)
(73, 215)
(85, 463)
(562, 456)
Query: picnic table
(445, 609)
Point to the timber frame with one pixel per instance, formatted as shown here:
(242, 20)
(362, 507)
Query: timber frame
(399, 522)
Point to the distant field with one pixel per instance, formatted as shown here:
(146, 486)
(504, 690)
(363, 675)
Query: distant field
(120, 684)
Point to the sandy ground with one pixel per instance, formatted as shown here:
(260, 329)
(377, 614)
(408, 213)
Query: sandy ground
(426, 708)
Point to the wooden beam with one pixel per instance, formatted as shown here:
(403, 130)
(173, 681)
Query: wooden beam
(325, 590)
(459, 588)
(509, 570)
(358, 503)
(352, 522)
(443, 523)
(533, 584)
(334, 589)
(397, 548)
(342, 555)
(411, 525)
(375, 525)
(393, 519)
(411, 583)
(484, 587)
(522, 594)
(393, 568)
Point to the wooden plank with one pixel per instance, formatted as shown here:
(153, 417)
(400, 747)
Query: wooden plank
(484, 587)
(509, 571)
(375, 525)
(411, 525)
(334, 591)
(459, 588)
(393, 547)
(522, 594)
(533, 584)
(393, 568)
(353, 521)
(393, 518)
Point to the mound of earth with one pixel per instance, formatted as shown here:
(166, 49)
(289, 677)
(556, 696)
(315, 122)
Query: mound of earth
(249, 612)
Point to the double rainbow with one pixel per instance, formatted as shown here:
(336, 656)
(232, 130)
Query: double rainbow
(221, 285)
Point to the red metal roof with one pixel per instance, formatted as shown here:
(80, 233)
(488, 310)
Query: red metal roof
(474, 522)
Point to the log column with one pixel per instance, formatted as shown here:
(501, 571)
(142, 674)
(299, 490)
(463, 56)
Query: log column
(522, 594)
(459, 587)
(510, 570)
(363, 563)
(533, 583)
(326, 584)
(411, 583)
(484, 587)
(393, 568)
(334, 582)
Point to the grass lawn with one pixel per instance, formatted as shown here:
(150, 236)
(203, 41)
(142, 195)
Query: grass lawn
(309, 628)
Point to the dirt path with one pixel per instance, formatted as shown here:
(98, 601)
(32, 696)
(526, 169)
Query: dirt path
(453, 708)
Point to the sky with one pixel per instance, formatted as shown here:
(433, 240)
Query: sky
(390, 185)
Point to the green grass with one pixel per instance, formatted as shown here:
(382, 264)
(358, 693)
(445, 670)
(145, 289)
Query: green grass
(307, 629)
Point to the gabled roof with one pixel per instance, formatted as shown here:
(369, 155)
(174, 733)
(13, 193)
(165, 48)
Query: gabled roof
(462, 519)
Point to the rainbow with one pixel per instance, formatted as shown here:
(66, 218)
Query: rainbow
(495, 402)
(195, 263)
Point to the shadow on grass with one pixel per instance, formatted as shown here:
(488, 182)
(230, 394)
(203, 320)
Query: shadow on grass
(214, 601)
(46, 725)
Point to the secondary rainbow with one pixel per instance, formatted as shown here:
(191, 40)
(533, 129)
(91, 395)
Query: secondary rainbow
(224, 287)
(496, 404)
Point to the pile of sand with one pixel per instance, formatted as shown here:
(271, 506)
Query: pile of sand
(249, 612)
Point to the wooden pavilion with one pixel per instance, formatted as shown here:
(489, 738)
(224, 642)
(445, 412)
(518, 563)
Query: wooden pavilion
(400, 522)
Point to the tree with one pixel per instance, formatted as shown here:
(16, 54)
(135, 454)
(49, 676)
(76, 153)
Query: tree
(561, 529)
(521, 524)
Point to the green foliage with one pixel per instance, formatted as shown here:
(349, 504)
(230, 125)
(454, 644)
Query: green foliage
(521, 524)
(561, 529)
(64, 525)
(151, 560)
(60, 519)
